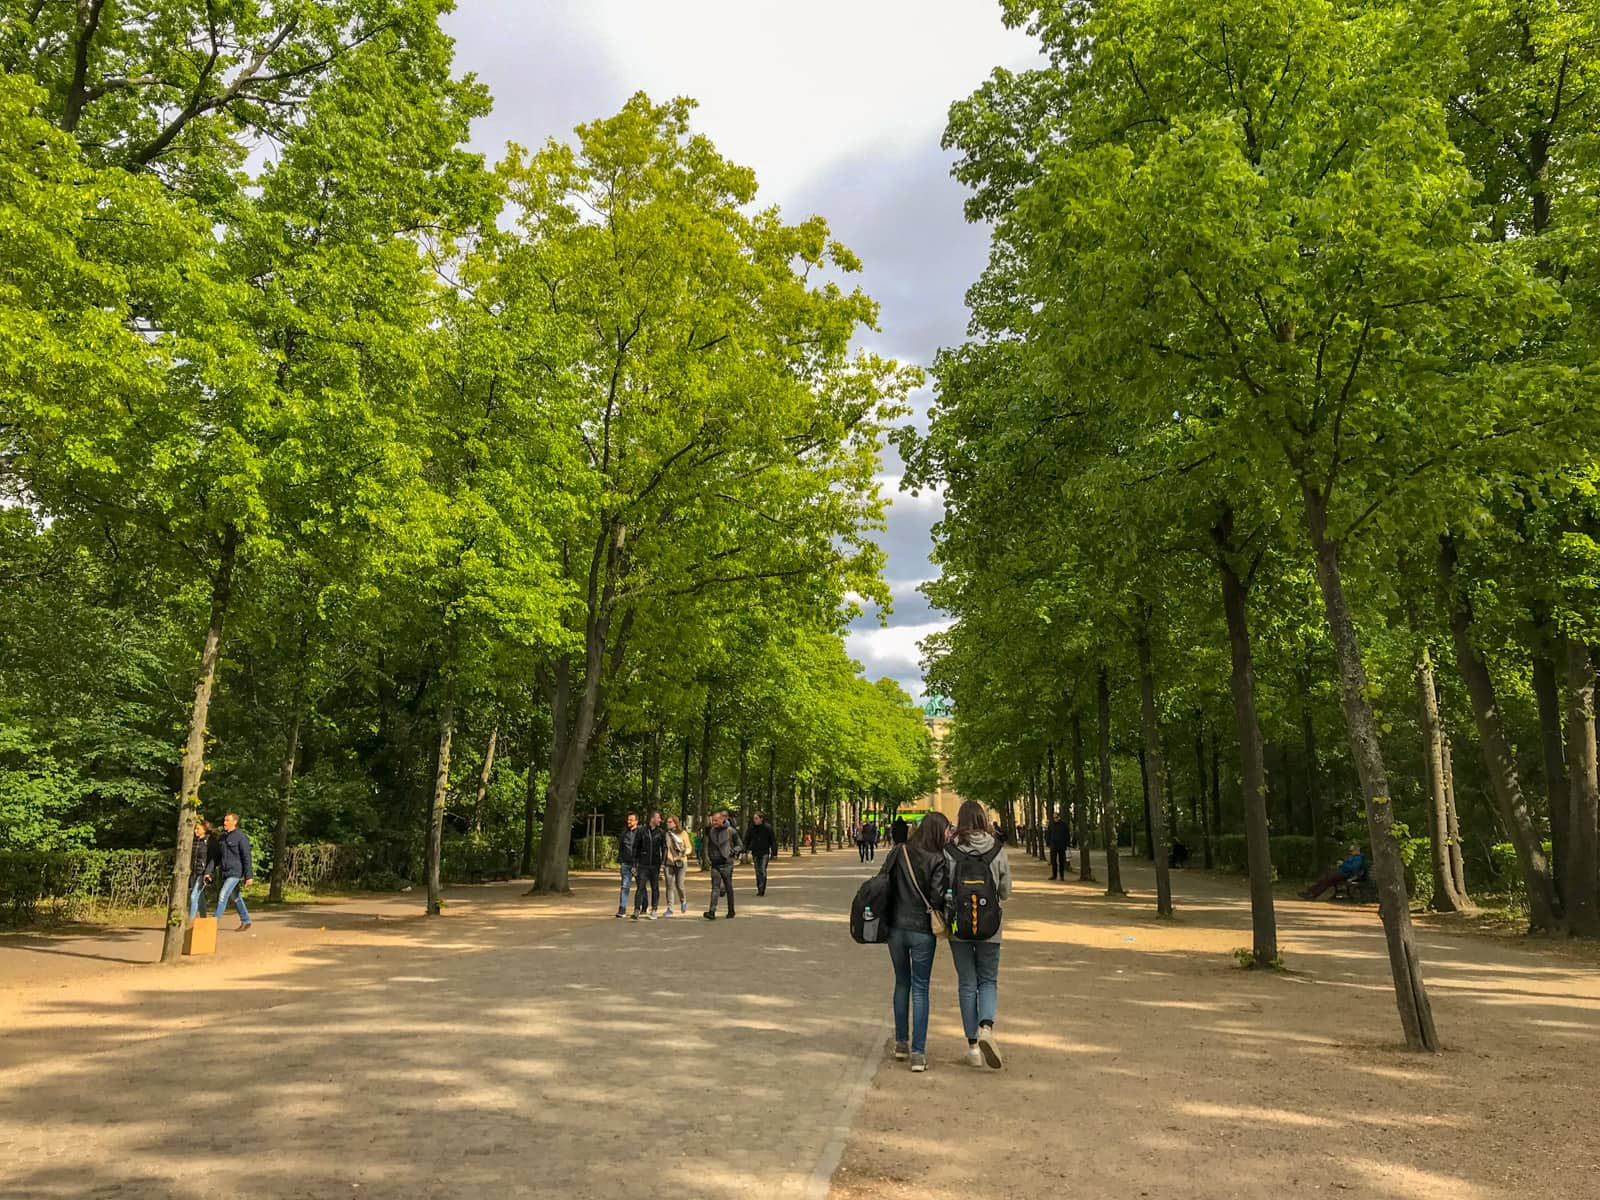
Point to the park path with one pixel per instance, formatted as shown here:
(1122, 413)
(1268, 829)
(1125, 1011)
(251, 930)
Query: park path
(515, 1047)
(1141, 1061)
(522, 1047)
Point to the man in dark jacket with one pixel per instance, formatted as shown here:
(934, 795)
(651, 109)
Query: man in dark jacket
(649, 853)
(1056, 836)
(762, 845)
(233, 860)
(722, 851)
(627, 855)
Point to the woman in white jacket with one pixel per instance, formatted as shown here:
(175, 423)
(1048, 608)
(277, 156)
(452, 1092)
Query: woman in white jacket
(678, 850)
(978, 962)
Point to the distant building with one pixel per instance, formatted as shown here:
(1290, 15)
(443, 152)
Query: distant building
(943, 799)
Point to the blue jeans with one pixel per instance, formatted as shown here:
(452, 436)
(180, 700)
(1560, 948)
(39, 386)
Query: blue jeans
(977, 982)
(627, 885)
(230, 887)
(197, 893)
(911, 952)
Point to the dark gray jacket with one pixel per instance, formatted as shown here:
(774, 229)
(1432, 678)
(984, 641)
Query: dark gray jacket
(722, 845)
(233, 854)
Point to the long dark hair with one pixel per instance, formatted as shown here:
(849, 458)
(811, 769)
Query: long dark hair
(970, 819)
(930, 833)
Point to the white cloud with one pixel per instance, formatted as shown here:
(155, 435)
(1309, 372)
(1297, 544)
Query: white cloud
(892, 651)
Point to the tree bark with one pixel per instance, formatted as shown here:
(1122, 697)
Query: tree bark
(1252, 758)
(483, 777)
(1080, 802)
(1155, 793)
(1208, 858)
(1583, 854)
(1388, 872)
(194, 749)
(702, 788)
(1497, 755)
(811, 797)
(1445, 896)
(1308, 746)
(441, 793)
(1547, 694)
(1458, 861)
(530, 805)
(794, 817)
(1108, 798)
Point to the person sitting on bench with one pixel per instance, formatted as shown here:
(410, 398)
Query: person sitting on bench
(1352, 868)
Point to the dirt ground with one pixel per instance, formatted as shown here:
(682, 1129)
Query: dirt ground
(528, 1047)
(1140, 1061)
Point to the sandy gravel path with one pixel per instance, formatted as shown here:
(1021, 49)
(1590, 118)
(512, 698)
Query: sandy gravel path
(1142, 1062)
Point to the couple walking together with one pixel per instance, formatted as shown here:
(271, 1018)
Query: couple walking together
(939, 874)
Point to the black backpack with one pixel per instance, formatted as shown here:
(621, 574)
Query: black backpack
(973, 907)
(869, 911)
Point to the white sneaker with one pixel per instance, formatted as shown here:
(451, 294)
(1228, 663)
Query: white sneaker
(655, 916)
(974, 1057)
(986, 1045)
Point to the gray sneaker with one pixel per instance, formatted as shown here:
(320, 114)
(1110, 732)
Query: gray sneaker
(974, 1057)
(902, 1051)
(919, 1062)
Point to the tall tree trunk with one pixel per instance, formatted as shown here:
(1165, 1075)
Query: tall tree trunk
(1080, 802)
(794, 817)
(1206, 831)
(1547, 694)
(702, 789)
(772, 785)
(1583, 827)
(744, 777)
(483, 777)
(1458, 858)
(657, 743)
(1108, 798)
(530, 804)
(1308, 747)
(811, 796)
(1156, 792)
(194, 748)
(1216, 783)
(441, 792)
(1144, 788)
(1445, 897)
(1050, 806)
(1388, 872)
(1497, 755)
(280, 835)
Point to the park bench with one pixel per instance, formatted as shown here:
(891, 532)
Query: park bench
(1359, 889)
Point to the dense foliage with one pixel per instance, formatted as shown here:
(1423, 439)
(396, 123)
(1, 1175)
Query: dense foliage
(1277, 419)
(334, 460)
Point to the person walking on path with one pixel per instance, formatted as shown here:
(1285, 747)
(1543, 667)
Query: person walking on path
(233, 859)
(202, 862)
(899, 831)
(762, 845)
(920, 874)
(651, 852)
(979, 883)
(861, 840)
(723, 850)
(873, 835)
(1057, 835)
(627, 857)
(678, 849)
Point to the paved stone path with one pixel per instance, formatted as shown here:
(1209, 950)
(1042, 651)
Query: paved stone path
(516, 1047)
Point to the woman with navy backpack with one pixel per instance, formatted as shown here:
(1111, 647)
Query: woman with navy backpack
(979, 881)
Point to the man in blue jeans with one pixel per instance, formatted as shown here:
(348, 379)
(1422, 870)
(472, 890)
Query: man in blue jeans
(627, 857)
(233, 859)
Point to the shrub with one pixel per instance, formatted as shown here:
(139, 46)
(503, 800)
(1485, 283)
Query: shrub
(604, 851)
(72, 885)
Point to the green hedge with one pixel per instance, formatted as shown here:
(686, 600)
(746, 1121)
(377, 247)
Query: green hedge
(605, 852)
(72, 885)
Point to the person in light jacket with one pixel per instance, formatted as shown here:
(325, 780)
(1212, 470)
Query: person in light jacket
(679, 848)
(978, 963)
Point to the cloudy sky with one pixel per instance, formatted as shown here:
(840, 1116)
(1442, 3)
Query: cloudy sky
(838, 105)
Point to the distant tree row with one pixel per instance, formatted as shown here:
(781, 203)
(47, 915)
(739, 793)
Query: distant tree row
(324, 446)
(1279, 413)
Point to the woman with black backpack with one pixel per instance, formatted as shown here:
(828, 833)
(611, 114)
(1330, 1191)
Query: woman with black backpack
(979, 881)
(918, 870)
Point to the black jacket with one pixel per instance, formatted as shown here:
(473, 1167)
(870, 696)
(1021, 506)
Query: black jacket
(651, 848)
(932, 872)
(1058, 834)
(233, 854)
(899, 831)
(760, 840)
(202, 857)
(628, 846)
(722, 845)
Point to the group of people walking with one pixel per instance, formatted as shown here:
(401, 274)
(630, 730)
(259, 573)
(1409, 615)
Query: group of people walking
(646, 853)
(948, 881)
(224, 856)
(869, 833)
